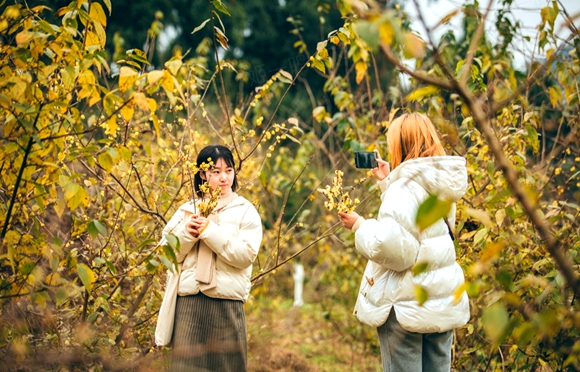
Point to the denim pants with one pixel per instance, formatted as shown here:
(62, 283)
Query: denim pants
(404, 351)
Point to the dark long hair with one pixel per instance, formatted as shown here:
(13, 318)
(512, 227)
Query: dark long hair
(213, 153)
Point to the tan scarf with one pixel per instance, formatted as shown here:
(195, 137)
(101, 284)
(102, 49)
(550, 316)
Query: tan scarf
(205, 271)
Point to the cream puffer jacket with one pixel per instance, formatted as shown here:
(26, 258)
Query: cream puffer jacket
(234, 237)
(234, 234)
(393, 244)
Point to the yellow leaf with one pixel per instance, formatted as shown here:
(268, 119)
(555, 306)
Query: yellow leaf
(319, 65)
(127, 111)
(480, 215)
(386, 33)
(75, 195)
(97, 14)
(112, 126)
(286, 74)
(152, 104)
(167, 82)
(17, 89)
(127, 76)
(106, 161)
(141, 101)
(59, 207)
(101, 34)
(23, 38)
(109, 6)
(71, 189)
(413, 46)
(95, 97)
(173, 66)
(491, 251)
(361, 71)
(92, 39)
(52, 279)
(87, 276)
(555, 95)
(319, 113)
(458, 293)
(154, 76)
(422, 92)
(86, 78)
(155, 121)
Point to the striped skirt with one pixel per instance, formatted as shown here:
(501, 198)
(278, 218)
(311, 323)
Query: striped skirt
(209, 334)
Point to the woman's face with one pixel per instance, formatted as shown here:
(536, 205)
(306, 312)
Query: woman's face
(221, 175)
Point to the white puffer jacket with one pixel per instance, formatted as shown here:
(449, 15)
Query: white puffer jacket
(235, 238)
(393, 244)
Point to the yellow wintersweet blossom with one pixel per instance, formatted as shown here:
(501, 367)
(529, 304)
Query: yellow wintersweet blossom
(337, 198)
(210, 199)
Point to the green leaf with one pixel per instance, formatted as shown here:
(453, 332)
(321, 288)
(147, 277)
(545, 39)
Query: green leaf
(138, 55)
(420, 267)
(495, 320)
(95, 227)
(431, 210)
(173, 242)
(92, 229)
(369, 32)
(125, 154)
(221, 7)
(152, 265)
(169, 252)
(421, 294)
(61, 296)
(549, 15)
(87, 276)
(479, 236)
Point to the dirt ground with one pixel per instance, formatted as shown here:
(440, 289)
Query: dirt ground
(287, 338)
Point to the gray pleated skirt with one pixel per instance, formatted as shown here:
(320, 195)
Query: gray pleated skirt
(209, 334)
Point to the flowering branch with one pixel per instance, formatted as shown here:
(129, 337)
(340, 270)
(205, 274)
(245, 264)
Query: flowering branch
(337, 198)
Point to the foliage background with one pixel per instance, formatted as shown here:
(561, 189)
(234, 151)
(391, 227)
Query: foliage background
(101, 123)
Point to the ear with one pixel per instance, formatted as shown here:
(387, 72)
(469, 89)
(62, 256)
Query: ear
(202, 175)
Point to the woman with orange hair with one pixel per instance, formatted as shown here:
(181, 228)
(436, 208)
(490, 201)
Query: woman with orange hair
(413, 336)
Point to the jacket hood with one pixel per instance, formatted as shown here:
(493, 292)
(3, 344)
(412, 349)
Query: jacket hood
(444, 176)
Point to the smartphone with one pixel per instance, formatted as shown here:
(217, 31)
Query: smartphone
(365, 159)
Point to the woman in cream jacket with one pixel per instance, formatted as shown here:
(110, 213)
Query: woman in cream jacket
(202, 315)
(413, 337)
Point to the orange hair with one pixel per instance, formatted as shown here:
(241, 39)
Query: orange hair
(412, 136)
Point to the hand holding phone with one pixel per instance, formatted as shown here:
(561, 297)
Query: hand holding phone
(383, 168)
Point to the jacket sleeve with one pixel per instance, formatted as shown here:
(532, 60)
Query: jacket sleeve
(237, 248)
(176, 226)
(392, 240)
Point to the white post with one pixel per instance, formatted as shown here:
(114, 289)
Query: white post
(298, 277)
